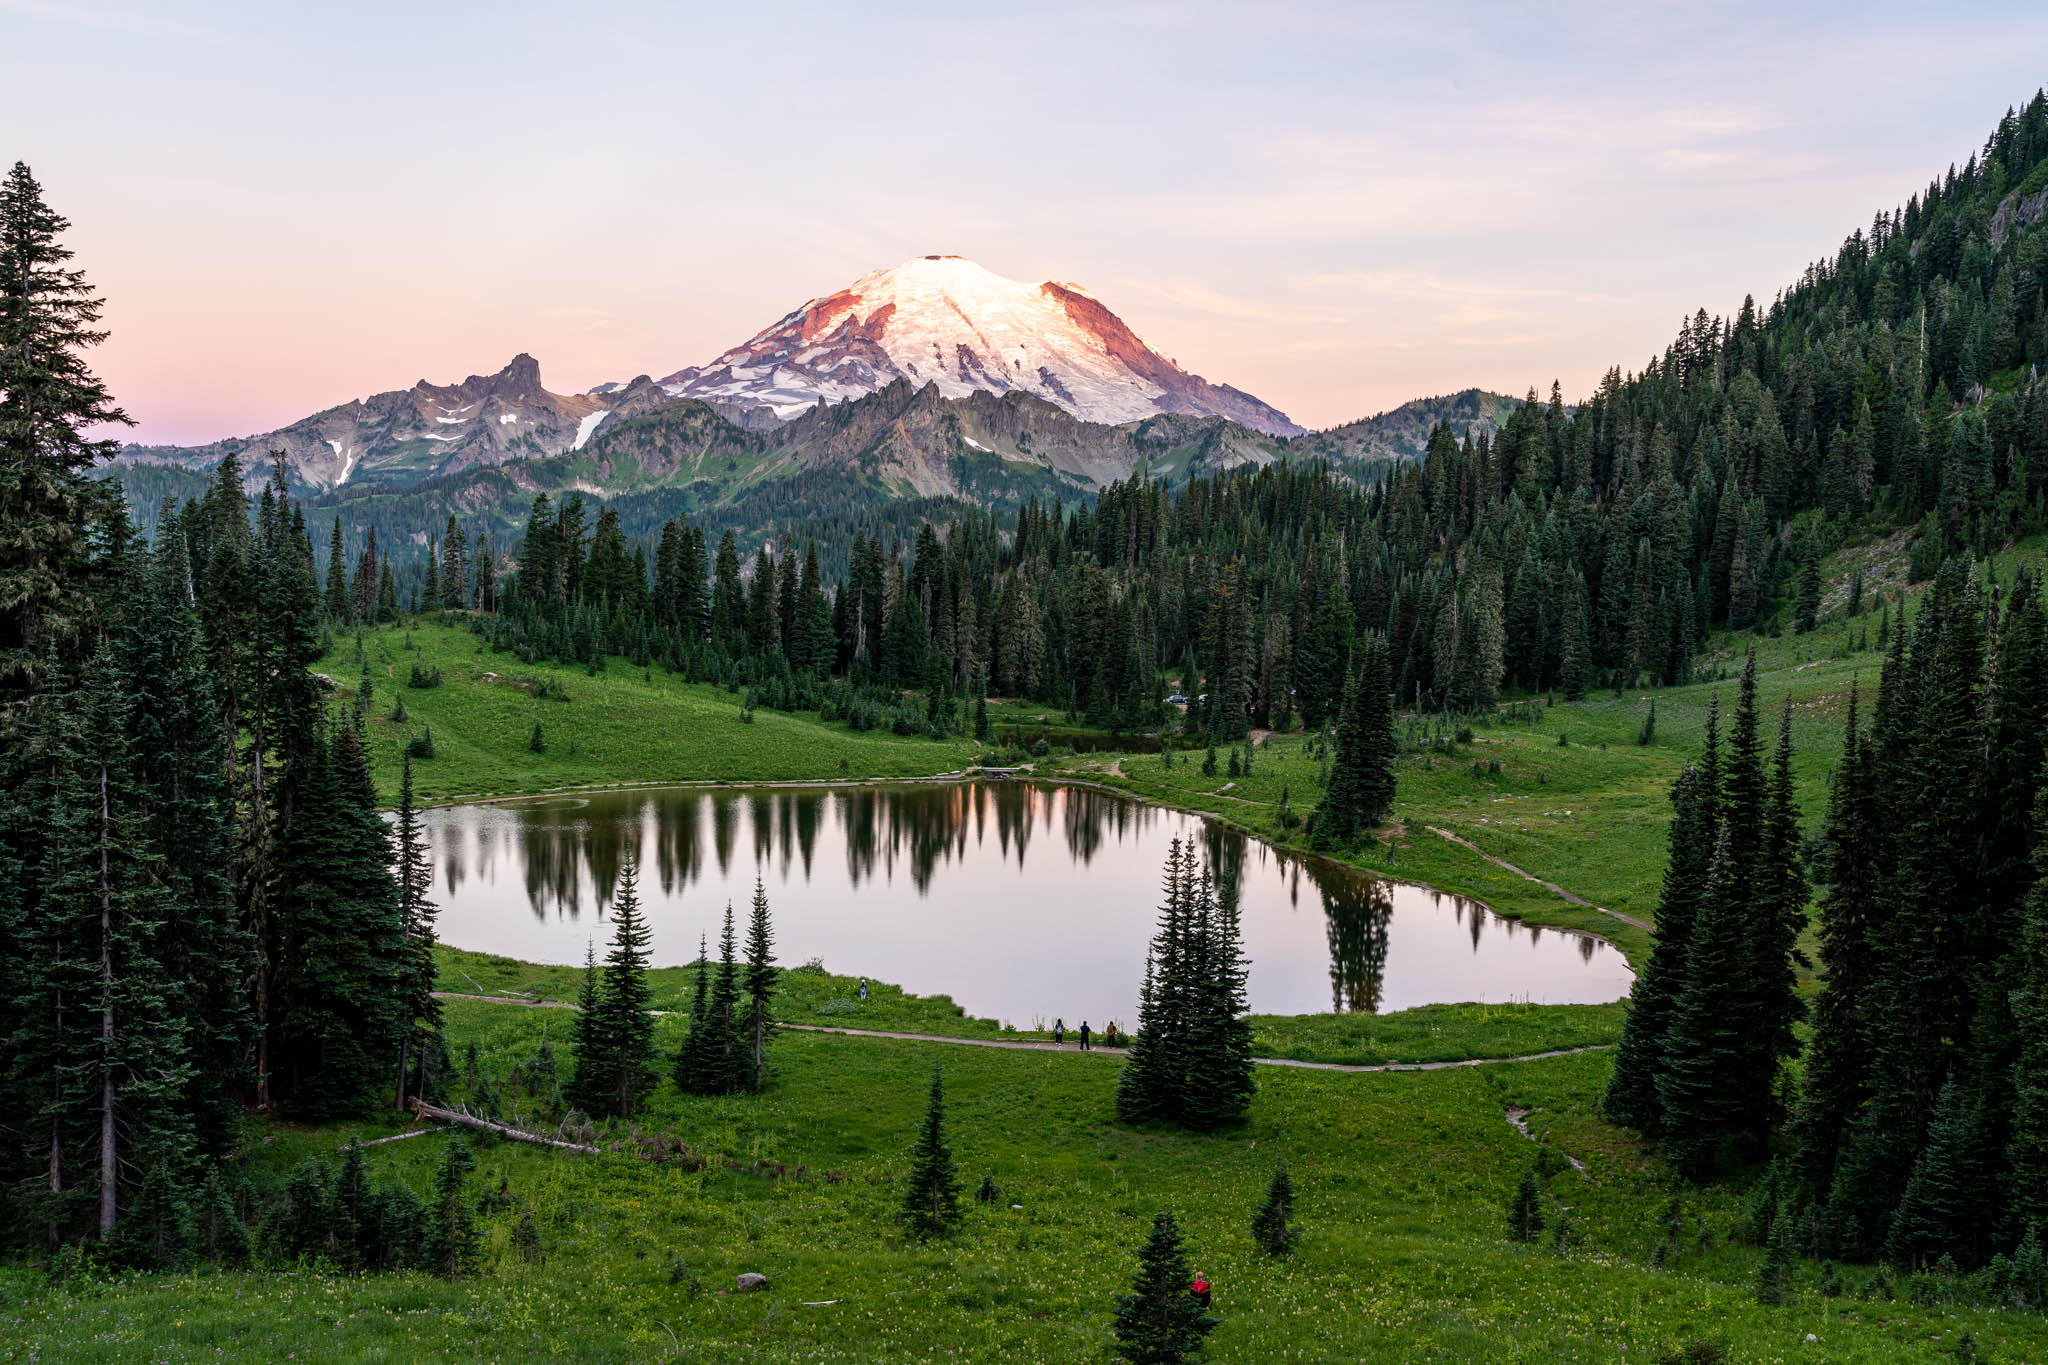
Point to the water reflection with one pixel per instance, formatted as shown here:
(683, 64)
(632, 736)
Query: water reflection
(1021, 902)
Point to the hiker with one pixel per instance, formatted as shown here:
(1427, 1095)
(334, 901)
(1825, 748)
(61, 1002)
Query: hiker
(1200, 1289)
(1084, 1035)
(1059, 1032)
(863, 990)
(1109, 1034)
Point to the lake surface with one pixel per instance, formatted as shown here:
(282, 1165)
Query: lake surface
(1021, 902)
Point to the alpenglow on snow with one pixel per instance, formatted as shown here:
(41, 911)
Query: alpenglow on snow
(945, 320)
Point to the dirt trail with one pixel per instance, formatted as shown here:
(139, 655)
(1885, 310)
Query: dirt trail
(1033, 1045)
(1552, 887)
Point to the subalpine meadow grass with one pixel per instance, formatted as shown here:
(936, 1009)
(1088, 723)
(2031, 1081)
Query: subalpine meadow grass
(1402, 1176)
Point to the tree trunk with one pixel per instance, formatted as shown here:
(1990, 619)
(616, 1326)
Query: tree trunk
(503, 1130)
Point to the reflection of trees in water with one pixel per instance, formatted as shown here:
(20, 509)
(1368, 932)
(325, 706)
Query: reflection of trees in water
(860, 812)
(555, 849)
(679, 839)
(724, 829)
(1356, 908)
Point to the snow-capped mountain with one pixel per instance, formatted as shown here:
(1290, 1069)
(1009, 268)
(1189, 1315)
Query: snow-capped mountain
(945, 320)
(410, 434)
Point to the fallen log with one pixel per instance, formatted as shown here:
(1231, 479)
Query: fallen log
(503, 1130)
(400, 1137)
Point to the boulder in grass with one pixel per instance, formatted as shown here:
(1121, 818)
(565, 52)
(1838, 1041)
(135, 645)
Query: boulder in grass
(749, 1281)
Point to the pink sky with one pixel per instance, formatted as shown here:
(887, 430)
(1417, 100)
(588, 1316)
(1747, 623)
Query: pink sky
(1331, 208)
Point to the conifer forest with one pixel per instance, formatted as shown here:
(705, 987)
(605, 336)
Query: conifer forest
(239, 1066)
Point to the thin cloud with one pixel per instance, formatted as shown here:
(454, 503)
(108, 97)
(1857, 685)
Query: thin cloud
(120, 21)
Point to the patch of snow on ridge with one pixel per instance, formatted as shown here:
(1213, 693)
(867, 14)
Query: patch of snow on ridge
(506, 419)
(588, 427)
(976, 444)
(451, 421)
(348, 462)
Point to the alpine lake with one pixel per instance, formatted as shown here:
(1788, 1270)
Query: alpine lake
(1024, 903)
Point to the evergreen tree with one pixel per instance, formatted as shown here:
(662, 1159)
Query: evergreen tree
(2027, 1153)
(1806, 606)
(624, 1024)
(1525, 1209)
(1706, 1040)
(1160, 1322)
(1361, 790)
(759, 984)
(931, 1198)
(1835, 1084)
(1273, 1225)
(1631, 1097)
(342, 982)
(693, 1062)
(593, 1083)
(453, 1243)
(55, 513)
(339, 604)
(422, 1009)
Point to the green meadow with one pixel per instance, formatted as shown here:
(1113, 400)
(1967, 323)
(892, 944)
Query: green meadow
(1403, 1176)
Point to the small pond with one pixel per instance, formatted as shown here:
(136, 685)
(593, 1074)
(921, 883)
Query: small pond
(1022, 902)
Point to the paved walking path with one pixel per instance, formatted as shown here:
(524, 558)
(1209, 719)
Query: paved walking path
(1548, 886)
(1034, 1045)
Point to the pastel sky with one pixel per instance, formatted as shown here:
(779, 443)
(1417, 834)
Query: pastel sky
(1335, 207)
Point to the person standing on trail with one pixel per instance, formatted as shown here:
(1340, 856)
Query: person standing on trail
(1200, 1290)
(1084, 1035)
(1109, 1034)
(1059, 1032)
(863, 990)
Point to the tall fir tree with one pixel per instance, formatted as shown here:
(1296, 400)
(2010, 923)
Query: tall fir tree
(414, 868)
(759, 985)
(931, 1196)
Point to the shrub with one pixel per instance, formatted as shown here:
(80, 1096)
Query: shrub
(422, 744)
(424, 677)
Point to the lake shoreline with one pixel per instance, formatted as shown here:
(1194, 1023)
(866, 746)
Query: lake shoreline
(961, 777)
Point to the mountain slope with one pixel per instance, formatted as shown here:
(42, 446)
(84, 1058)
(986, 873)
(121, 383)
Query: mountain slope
(945, 320)
(1402, 433)
(429, 429)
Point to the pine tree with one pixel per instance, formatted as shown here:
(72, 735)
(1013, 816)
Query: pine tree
(592, 1080)
(1273, 1225)
(931, 1198)
(1777, 916)
(759, 985)
(342, 984)
(1835, 1084)
(2027, 1153)
(1706, 1039)
(1361, 790)
(694, 1062)
(49, 400)
(1806, 607)
(624, 1024)
(1631, 1097)
(339, 604)
(422, 1009)
(1160, 1322)
(1525, 1209)
(726, 1053)
(453, 1243)
(1773, 1271)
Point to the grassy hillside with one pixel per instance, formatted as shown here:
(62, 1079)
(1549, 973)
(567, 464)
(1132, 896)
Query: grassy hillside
(1402, 1180)
(624, 725)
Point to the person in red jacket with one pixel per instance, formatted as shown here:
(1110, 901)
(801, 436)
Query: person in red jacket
(1200, 1289)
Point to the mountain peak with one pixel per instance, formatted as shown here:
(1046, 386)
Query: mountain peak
(948, 321)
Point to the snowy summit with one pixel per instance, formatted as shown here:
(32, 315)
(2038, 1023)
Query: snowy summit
(945, 320)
